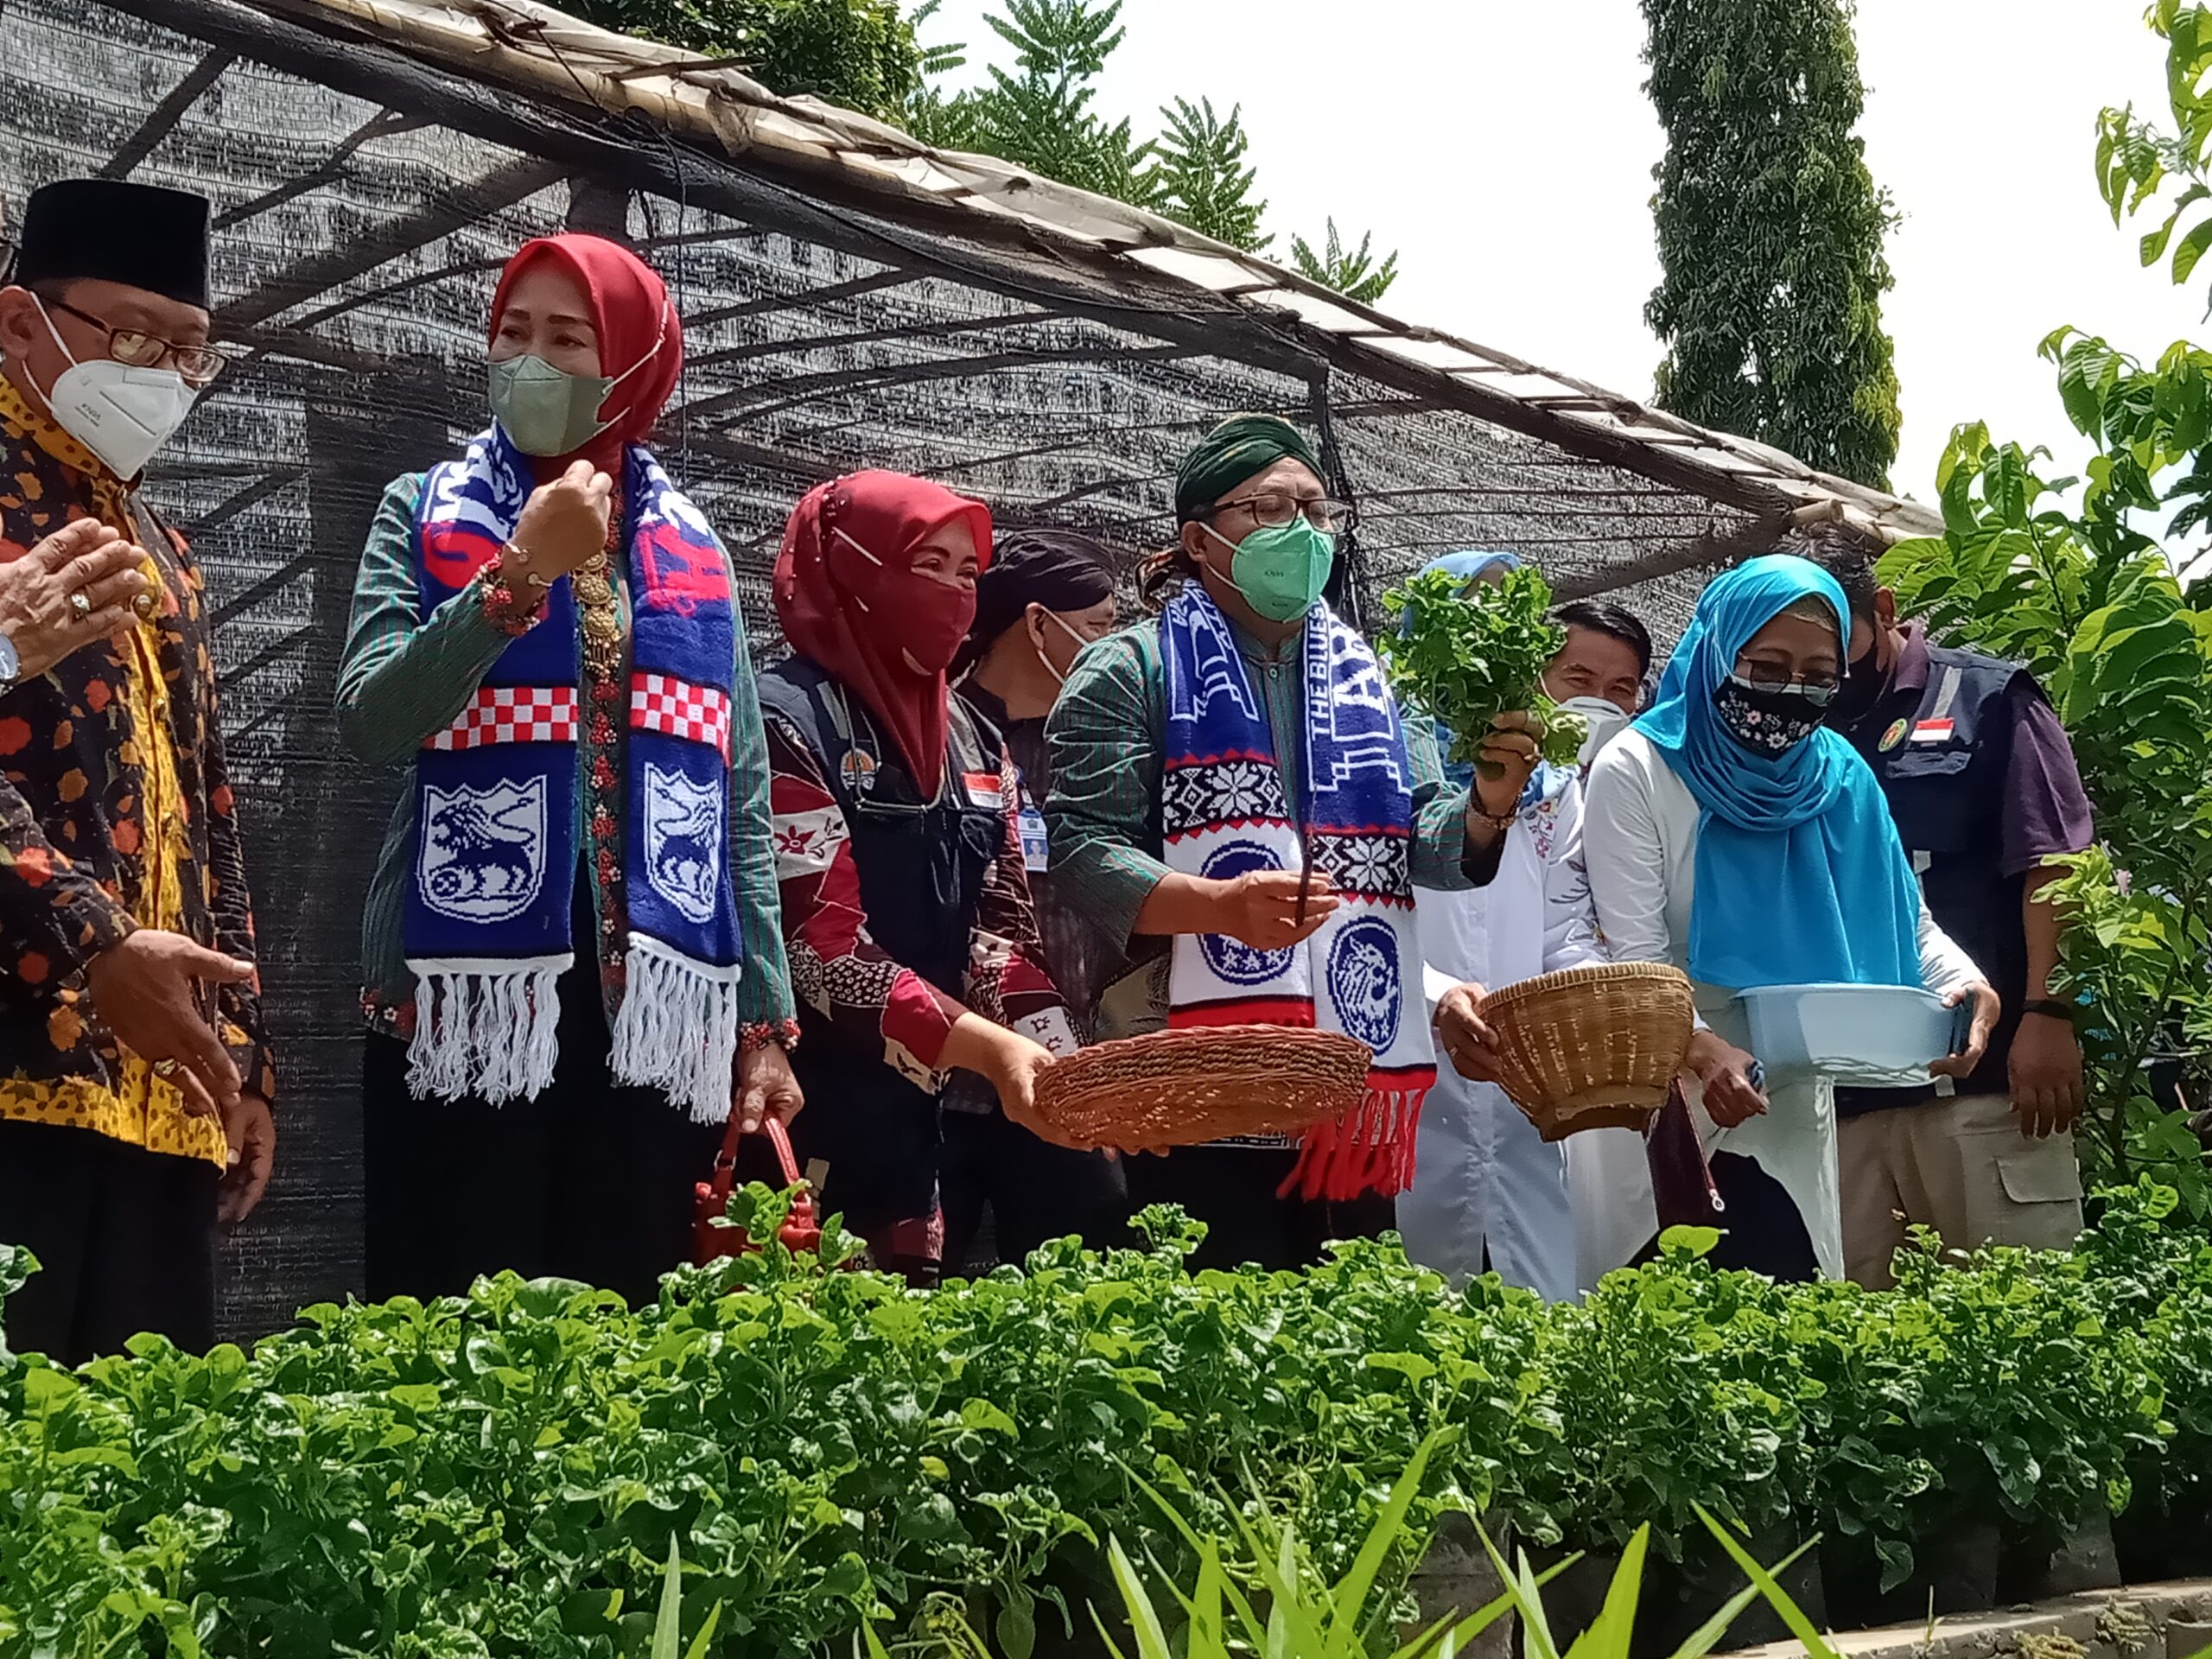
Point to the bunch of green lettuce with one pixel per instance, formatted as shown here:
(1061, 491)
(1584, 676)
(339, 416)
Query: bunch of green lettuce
(1465, 655)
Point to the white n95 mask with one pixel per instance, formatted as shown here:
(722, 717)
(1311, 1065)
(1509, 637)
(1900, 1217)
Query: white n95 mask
(121, 414)
(1605, 719)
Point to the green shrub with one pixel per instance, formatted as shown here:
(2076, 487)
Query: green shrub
(2154, 1279)
(1676, 1389)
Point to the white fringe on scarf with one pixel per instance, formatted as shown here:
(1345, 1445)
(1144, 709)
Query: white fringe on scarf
(492, 1029)
(486, 1027)
(678, 1028)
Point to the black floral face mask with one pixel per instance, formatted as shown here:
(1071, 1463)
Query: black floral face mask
(1768, 720)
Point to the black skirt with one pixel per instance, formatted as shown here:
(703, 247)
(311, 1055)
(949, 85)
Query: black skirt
(1031, 1190)
(588, 1181)
(125, 1239)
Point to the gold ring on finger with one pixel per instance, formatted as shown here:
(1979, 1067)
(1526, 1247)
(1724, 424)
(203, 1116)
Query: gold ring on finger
(142, 606)
(165, 1068)
(80, 605)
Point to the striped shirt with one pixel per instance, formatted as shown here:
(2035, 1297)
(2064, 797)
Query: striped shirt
(1077, 954)
(1105, 735)
(403, 680)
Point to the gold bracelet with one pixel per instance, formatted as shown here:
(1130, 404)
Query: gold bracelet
(513, 554)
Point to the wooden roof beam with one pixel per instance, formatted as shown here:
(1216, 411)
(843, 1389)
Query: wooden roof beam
(444, 212)
(162, 119)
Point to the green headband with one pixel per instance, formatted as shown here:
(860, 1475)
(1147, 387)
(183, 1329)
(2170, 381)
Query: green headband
(1232, 452)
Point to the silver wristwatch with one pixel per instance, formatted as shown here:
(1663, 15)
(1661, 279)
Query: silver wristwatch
(11, 665)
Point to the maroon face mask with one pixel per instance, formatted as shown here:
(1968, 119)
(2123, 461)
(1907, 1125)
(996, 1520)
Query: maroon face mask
(929, 618)
(851, 601)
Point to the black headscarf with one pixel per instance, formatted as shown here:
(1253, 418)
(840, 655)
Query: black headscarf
(113, 231)
(1058, 569)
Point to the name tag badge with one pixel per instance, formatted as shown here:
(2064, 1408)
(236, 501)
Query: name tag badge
(982, 789)
(1933, 731)
(1036, 850)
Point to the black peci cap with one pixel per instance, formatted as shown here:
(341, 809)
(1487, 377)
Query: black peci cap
(107, 230)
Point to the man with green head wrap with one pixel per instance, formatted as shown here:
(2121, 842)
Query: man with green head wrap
(1234, 793)
(1241, 447)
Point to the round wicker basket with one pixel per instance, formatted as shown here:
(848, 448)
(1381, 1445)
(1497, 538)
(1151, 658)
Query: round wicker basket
(1179, 1088)
(1592, 1047)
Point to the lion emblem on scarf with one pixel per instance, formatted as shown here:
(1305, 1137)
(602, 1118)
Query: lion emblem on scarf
(483, 850)
(1365, 982)
(683, 842)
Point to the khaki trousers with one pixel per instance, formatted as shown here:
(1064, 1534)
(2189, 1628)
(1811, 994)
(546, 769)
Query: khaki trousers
(1960, 1165)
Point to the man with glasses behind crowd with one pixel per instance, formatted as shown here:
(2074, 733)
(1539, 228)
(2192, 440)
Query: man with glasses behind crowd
(1980, 779)
(134, 1071)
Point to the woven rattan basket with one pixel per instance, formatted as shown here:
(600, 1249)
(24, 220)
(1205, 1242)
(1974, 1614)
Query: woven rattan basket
(1592, 1048)
(1182, 1087)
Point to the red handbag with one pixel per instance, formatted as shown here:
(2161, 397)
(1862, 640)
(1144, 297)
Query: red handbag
(710, 1201)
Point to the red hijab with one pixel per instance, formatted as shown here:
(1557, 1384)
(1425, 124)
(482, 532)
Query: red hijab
(851, 602)
(631, 314)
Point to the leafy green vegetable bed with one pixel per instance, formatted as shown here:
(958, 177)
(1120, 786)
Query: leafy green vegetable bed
(502, 1476)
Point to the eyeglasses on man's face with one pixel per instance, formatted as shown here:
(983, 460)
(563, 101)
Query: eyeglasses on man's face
(1272, 509)
(135, 348)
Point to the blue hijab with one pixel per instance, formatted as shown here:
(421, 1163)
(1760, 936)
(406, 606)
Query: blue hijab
(1801, 877)
(1546, 781)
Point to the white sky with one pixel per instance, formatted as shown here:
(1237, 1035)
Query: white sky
(1505, 147)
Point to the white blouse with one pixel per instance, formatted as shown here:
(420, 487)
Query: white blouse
(1639, 839)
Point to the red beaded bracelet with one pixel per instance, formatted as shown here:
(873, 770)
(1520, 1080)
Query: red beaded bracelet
(501, 608)
(761, 1033)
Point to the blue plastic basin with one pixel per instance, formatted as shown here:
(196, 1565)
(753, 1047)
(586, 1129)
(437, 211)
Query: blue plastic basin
(1869, 1035)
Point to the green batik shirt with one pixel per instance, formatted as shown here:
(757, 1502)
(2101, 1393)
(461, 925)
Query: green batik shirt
(1105, 736)
(404, 679)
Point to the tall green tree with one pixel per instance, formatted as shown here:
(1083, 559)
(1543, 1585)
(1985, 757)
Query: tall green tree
(2138, 159)
(1038, 113)
(1353, 272)
(1202, 178)
(858, 53)
(2085, 579)
(1769, 231)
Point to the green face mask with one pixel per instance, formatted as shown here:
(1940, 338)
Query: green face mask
(545, 410)
(1281, 568)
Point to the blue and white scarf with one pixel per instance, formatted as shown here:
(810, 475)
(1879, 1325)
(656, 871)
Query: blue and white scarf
(1224, 812)
(488, 918)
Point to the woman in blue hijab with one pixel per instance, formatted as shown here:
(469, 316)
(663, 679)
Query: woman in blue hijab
(1729, 833)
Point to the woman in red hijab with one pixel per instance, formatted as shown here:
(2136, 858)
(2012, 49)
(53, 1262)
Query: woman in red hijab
(574, 970)
(906, 912)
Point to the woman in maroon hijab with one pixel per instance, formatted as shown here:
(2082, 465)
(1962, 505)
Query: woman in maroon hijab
(906, 913)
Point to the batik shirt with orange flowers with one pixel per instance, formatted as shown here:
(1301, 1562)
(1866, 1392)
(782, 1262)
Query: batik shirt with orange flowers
(115, 814)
